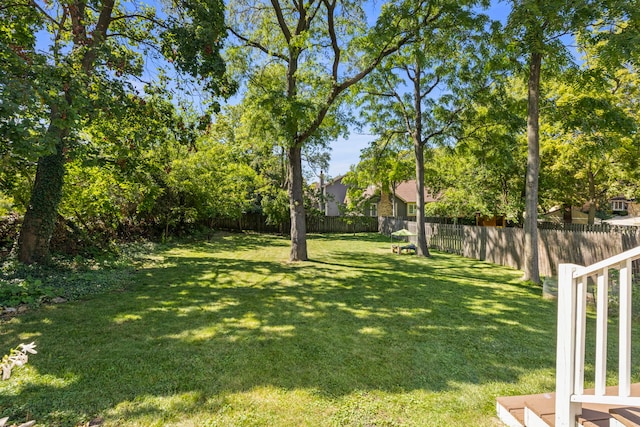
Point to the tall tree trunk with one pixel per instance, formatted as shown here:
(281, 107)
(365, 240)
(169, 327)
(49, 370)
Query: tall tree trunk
(531, 268)
(394, 209)
(592, 198)
(418, 147)
(296, 206)
(39, 220)
(40, 217)
(422, 249)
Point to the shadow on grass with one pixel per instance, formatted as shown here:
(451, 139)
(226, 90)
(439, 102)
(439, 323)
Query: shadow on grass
(221, 317)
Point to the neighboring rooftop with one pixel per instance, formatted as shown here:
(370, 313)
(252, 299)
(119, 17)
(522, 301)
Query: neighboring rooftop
(406, 191)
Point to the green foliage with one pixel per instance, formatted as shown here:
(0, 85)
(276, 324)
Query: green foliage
(194, 41)
(29, 291)
(485, 170)
(6, 204)
(275, 205)
(213, 181)
(71, 278)
(588, 141)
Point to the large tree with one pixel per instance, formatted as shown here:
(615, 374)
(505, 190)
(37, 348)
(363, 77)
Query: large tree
(588, 136)
(412, 95)
(537, 30)
(318, 49)
(90, 51)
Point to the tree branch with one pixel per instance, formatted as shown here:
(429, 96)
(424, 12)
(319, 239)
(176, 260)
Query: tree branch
(331, 6)
(281, 21)
(151, 19)
(99, 35)
(43, 12)
(430, 88)
(339, 88)
(257, 45)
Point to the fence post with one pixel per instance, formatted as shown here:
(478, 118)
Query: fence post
(566, 411)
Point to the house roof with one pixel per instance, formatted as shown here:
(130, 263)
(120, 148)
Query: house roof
(370, 191)
(336, 180)
(406, 191)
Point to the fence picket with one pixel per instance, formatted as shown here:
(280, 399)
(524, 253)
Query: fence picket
(323, 224)
(572, 243)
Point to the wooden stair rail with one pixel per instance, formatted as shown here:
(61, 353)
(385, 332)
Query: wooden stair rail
(570, 363)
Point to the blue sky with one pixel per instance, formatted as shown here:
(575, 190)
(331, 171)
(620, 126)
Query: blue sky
(346, 152)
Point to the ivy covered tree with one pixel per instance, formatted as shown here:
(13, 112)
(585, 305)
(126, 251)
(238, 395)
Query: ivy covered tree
(89, 53)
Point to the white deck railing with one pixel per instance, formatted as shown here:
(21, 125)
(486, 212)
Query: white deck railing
(572, 315)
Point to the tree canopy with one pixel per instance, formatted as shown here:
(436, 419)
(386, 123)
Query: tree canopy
(119, 118)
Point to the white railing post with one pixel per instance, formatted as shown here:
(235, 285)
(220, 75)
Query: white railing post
(602, 322)
(624, 374)
(566, 411)
(580, 333)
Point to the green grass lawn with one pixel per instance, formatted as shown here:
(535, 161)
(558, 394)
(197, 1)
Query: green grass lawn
(228, 333)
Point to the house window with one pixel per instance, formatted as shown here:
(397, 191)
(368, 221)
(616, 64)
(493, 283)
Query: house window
(373, 209)
(411, 209)
(618, 205)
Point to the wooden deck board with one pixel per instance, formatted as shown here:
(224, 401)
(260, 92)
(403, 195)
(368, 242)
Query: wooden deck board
(628, 417)
(593, 415)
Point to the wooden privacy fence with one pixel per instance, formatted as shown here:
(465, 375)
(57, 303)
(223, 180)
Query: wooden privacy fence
(323, 224)
(505, 246)
(342, 224)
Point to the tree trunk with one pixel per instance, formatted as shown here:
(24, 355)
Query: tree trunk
(40, 217)
(296, 206)
(592, 198)
(418, 147)
(422, 249)
(531, 268)
(394, 210)
(567, 213)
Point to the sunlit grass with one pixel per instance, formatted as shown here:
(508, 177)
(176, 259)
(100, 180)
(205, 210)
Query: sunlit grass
(229, 333)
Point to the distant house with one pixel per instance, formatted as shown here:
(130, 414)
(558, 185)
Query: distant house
(334, 194)
(335, 198)
(621, 205)
(372, 197)
(565, 215)
(626, 211)
(405, 201)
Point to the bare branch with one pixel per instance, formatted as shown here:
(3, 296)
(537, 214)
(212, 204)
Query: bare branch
(331, 6)
(44, 13)
(281, 21)
(151, 19)
(430, 88)
(257, 45)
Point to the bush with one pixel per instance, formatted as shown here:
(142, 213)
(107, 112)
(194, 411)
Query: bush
(29, 291)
